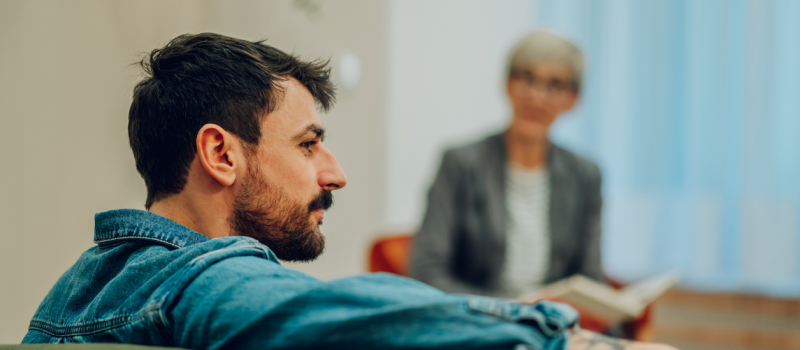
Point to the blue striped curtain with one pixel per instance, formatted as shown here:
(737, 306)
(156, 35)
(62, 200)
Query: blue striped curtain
(692, 110)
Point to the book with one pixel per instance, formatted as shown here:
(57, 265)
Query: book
(613, 305)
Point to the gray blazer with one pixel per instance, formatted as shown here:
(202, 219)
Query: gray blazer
(460, 247)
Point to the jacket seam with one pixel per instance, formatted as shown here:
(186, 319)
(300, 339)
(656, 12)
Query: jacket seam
(122, 239)
(85, 329)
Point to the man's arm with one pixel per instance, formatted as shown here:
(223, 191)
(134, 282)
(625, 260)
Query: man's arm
(251, 303)
(434, 243)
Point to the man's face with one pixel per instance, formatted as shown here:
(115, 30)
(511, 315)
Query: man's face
(289, 180)
(538, 94)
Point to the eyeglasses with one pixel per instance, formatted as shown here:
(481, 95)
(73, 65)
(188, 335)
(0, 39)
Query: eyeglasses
(550, 86)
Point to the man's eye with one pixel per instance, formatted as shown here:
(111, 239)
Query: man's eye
(307, 145)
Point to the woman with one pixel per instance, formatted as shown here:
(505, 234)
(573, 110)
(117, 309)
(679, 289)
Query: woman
(514, 211)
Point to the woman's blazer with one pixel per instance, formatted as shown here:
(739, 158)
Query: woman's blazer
(460, 247)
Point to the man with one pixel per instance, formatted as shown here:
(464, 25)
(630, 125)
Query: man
(226, 135)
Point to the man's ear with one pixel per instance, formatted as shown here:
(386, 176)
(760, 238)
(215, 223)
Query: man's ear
(219, 152)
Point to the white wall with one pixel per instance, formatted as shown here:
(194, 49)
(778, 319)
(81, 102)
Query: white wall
(446, 86)
(65, 89)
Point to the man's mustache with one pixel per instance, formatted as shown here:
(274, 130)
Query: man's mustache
(323, 201)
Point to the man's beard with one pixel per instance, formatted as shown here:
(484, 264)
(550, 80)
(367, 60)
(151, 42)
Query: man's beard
(265, 212)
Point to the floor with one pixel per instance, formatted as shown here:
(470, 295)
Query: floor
(696, 321)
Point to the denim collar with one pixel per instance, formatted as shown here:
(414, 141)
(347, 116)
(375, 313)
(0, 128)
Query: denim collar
(124, 225)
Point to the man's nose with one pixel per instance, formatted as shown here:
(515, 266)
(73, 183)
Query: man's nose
(330, 174)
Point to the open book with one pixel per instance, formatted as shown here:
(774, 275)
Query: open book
(614, 305)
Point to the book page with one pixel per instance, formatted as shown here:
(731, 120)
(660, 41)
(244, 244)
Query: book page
(602, 300)
(649, 290)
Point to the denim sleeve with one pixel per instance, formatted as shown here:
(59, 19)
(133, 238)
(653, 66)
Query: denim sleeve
(251, 303)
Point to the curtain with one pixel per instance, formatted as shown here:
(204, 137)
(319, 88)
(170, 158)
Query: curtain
(692, 110)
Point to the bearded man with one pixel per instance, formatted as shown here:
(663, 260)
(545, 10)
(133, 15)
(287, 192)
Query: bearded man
(227, 138)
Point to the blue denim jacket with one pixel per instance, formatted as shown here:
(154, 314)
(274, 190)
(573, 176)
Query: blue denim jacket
(152, 281)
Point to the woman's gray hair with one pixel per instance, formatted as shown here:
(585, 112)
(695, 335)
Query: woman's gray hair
(542, 46)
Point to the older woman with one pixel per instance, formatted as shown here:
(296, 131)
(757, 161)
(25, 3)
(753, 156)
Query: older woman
(514, 211)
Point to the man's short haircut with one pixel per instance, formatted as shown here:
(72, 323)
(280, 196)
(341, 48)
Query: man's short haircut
(208, 78)
(544, 46)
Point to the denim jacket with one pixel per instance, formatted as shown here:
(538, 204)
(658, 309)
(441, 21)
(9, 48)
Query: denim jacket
(152, 281)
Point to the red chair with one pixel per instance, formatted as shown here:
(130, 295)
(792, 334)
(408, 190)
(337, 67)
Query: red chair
(392, 253)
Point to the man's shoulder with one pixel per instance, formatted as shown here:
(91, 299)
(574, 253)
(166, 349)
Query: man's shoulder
(233, 272)
(168, 270)
(227, 257)
(120, 281)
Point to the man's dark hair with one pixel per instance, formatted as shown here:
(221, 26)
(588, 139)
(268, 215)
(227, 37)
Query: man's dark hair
(208, 78)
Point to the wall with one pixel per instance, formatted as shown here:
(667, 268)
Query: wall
(446, 86)
(64, 94)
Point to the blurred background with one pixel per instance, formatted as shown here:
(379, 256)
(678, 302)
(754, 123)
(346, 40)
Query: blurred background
(691, 109)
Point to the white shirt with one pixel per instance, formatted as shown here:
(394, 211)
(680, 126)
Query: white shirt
(527, 234)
